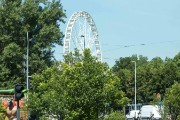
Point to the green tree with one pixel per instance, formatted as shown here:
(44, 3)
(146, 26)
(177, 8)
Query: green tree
(117, 115)
(176, 60)
(172, 101)
(41, 19)
(150, 79)
(84, 90)
(153, 77)
(124, 69)
(124, 63)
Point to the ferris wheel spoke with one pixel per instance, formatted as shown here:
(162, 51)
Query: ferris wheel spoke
(81, 35)
(91, 40)
(76, 39)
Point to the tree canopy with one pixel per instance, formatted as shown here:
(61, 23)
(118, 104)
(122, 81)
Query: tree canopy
(153, 76)
(172, 101)
(84, 90)
(41, 19)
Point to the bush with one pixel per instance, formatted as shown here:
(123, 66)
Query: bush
(2, 111)
(117, 115)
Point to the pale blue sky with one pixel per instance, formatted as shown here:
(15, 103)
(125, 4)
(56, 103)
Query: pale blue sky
(144, 27)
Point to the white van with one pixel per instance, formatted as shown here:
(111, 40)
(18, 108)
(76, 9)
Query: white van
(149, 111)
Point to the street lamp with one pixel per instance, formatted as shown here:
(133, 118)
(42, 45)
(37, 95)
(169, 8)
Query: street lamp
(135, 83)
(27, 60)
(27, 65)
(84, 40)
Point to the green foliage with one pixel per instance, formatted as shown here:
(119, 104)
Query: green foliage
(125, 63)
(82, 90)
(124, 69)
(17, 17)
(2, 111)
(153, 77)
(149, 79)
(172, 101)
(117, 115)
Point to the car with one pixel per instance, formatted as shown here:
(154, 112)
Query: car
(132, 115)
(149, 112)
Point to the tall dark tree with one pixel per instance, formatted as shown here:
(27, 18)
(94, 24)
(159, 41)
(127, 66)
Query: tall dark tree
(153, 77)
(124, 63)
(149, 79)
(124, 68)
(177, 62)
(41, 19)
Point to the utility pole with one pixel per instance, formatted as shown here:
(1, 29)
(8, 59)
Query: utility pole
(27, 62)
(135, 84)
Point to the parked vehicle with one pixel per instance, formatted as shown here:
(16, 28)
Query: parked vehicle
(149, 112)
(132, 115)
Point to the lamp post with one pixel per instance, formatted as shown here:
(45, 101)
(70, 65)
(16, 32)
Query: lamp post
(27, 66)
(27, 62)
(135, 83)
(83, 41)
(27, 59)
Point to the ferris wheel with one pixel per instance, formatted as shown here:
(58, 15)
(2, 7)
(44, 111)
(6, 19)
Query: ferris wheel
(81, 33)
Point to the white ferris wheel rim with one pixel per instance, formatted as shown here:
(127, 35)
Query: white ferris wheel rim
(93, 30)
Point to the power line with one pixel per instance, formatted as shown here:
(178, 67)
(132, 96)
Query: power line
(110, 58)
(142, 44)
